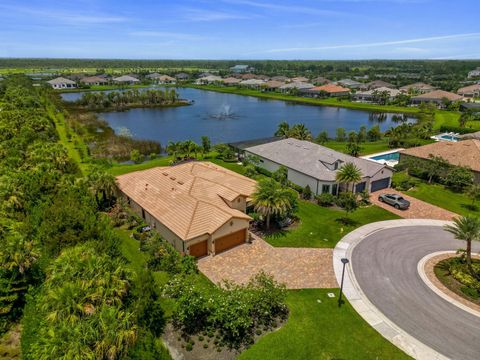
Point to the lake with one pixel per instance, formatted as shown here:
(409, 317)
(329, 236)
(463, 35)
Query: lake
(250, 118)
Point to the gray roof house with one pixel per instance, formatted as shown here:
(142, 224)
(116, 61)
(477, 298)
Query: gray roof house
(126, 79)
(316, 166)
(62, 83)
(240, 68)
(352, 84)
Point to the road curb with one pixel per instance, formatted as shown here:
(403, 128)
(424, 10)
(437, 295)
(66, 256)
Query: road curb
(371, 314)
(435, 289)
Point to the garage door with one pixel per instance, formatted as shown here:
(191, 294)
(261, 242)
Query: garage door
(380, 184)
(360, 187)
(199, 249)
(230, 241)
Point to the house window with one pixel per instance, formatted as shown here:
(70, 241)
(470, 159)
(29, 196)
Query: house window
(325, 188)
(334, 189)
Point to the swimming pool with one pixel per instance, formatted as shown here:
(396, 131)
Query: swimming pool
(388, 156)
(446, 137)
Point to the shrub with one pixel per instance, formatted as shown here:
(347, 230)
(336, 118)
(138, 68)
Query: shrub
(456, 129)
(459, 178)
(325, 199)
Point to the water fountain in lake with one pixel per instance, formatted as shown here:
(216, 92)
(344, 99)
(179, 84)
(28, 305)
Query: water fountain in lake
(224, 114)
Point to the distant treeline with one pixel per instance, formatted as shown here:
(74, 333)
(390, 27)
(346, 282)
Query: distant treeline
(128, 98)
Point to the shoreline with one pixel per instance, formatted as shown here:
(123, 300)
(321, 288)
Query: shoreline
(126, 107)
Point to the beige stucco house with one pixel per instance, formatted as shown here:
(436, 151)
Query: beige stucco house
(198, 207)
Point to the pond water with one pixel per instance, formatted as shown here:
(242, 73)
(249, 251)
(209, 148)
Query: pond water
(230, 117)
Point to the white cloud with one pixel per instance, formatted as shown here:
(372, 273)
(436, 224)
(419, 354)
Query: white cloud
(286, 8)
(375, 44)
(167, 34)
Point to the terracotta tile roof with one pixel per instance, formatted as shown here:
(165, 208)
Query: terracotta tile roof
(331, 88)
(438, 94)
(418, 86)
(475, 88)
(189, 199)
(461, 153)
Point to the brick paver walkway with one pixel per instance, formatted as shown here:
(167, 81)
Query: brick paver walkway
(297, 268)
(418, 209)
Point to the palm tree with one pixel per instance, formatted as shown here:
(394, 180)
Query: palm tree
(466, 228)
(174, 149)
(349, 173)
(270, 198)
(283, 130)
(300, 132)
(102, 183)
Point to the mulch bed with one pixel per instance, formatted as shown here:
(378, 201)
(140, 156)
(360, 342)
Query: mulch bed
(176, 344)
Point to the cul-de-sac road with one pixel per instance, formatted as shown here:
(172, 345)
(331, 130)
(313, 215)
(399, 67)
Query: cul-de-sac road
(385, 267)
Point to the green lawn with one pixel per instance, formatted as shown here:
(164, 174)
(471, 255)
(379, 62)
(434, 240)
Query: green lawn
(439, 195)
(120, 169)
(366, 148)
(320, 330)
(320, 226)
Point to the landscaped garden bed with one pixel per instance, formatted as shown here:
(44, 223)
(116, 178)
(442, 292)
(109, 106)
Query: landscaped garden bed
(453, 273)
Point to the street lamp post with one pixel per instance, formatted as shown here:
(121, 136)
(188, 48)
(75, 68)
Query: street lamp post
(344, 262)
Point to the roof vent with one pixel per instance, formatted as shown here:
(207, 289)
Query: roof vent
(172, 177)
(165, 173)
(180, 182)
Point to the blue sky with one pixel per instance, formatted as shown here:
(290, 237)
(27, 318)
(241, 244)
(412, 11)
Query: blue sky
(241, 29)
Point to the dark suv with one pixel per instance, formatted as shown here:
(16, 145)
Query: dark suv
(397, 201)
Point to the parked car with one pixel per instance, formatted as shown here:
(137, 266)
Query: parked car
(397, 201)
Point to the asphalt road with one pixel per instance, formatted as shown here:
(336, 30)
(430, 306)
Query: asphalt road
(385, 265)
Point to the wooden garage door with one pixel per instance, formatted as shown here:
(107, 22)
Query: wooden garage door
(199, 249)
(230, 241)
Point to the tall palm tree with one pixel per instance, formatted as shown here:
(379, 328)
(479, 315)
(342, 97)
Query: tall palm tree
(270, 198)
(349, 174)
(283, 130)
(466, 228)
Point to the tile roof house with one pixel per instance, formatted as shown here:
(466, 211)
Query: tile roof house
(436, 96)
(352, 84)
(295, 85)
(273, 85)
(182, 76)
(62, 83)
(474, 73)
(470, 91)
(198, 207)
(462, 153)
(320, 81)
(231, 81)
(375, 84)
(126, 79)
(299, 79)
(281, 78)
(418, 87)
(316, 166)
(252, 83)
(331, 89)
(94, 80)
(210, 79)
(371, 95)
(241, 68)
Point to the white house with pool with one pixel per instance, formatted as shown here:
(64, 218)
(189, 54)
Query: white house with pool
(316, 166)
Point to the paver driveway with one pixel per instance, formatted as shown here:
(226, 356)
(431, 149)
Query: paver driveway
(418, 209)
(297, 268)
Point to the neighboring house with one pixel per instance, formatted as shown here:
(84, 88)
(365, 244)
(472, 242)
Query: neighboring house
(62, 83)
(320, 81)
(418, 87)
(331, 90)
(161, 78)
(437, 97)
(475, 135)
(198, 207)
(469, 91)
(211, 79)
(230, 81)
(375, 84)
(273, 85)
(248, 76)
(281, 78)
(470, 106)
(238, 69)
(474, 73)
(182, 76)
(462, 153)
(372, 95)
(316, 166)
(351, 84)
(94, 80)
(299, 79)
(204, 74)
(126, 79)
(252, 83)
(295, 85)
